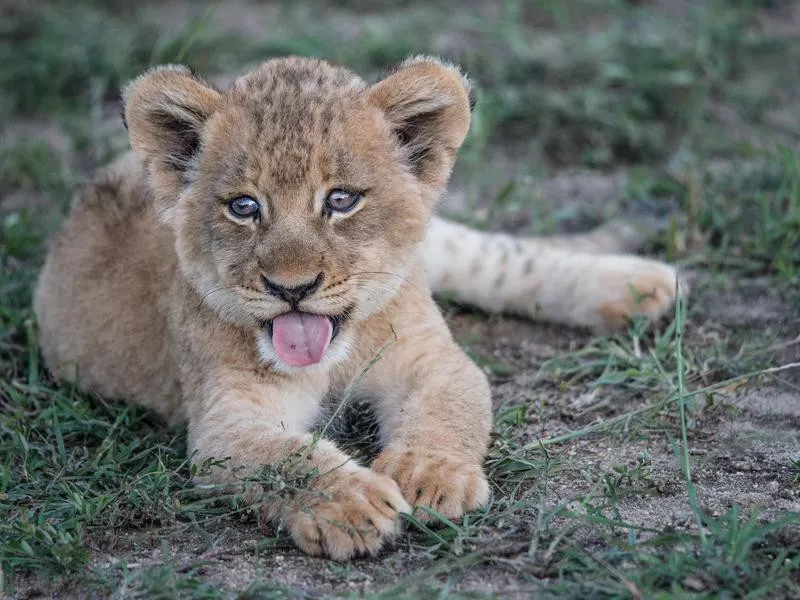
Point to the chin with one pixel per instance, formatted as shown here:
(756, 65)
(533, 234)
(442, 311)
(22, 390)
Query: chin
(338, 352)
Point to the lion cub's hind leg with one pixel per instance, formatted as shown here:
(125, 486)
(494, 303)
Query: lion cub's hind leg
(575, 280)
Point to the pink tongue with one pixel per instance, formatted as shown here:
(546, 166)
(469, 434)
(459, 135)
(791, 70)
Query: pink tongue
(301, 339)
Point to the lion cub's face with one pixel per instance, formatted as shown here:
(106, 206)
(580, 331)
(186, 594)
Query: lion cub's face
(298, 197)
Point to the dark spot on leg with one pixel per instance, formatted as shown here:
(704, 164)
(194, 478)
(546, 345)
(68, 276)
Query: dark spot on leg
(475, 267)
(527, 269)
(504, 258)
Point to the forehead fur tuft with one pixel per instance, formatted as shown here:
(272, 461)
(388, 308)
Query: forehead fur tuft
(297, 73)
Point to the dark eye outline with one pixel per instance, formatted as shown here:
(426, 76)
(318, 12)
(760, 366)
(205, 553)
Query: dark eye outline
(355, 198)
(255, 214)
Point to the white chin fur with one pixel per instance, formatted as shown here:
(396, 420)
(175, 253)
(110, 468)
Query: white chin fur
(337, 352)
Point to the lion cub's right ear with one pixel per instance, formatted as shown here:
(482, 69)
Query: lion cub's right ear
(165, 111)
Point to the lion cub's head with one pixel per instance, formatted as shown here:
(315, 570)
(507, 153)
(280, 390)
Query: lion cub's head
(298, 196)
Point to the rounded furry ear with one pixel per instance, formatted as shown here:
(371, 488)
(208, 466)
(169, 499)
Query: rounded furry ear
(427, 103)
(165, 110)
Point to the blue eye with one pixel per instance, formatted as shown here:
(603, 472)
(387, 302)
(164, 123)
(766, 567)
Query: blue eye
(341, 200)
(244, 207)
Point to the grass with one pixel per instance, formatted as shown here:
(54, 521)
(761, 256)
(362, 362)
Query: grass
(96, 496)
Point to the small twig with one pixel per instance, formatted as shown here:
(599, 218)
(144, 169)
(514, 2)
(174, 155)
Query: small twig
(629, 585)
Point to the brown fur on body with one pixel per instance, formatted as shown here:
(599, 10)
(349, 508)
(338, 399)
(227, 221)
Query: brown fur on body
(154, 292)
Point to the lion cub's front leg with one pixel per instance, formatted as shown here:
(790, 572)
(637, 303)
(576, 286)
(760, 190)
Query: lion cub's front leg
(434, 407)
(334, 507)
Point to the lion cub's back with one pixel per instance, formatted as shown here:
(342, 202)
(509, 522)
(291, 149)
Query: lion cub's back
(103, 293)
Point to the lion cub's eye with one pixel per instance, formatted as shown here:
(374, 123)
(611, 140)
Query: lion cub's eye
(244, 207)
(341, 201)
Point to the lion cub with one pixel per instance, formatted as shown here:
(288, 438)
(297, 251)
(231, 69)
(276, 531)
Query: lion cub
(270, 244)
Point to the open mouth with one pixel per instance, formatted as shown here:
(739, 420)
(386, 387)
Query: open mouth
(300, 338)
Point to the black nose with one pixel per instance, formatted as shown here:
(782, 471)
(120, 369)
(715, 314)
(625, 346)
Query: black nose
(295, 294)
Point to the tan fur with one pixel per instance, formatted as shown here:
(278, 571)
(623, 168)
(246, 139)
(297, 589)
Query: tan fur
(153, 293)
(580, 280)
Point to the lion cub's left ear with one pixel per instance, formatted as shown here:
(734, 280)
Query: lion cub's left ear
(427, 103)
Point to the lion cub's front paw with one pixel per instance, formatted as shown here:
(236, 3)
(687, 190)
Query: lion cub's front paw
(345, 513)
(638, 287)
(450, 486)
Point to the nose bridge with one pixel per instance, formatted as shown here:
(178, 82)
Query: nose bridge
(292, 257)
